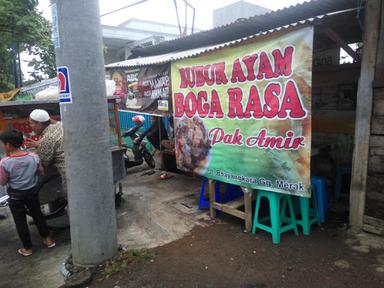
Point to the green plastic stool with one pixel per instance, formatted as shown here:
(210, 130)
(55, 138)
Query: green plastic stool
(276, 201)
(308, 212)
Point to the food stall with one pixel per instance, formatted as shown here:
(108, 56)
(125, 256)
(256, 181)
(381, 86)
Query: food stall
(15, 115)
(335, 104)
(145, 91)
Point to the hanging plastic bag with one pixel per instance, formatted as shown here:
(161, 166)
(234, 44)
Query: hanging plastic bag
(110, 85)
(51, 93)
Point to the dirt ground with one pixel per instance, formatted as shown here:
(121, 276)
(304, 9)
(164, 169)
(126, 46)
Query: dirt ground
(222, 255)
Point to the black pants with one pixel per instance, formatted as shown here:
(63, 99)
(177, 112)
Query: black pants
(19, 202)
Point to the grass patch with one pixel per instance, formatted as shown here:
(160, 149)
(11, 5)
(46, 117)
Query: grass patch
(123, 259)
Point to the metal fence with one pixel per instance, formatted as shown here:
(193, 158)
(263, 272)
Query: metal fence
(125, 118)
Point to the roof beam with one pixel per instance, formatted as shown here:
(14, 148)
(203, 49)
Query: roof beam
(341, 43)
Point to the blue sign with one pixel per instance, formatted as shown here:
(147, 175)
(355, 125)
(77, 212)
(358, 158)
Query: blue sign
(64, 85)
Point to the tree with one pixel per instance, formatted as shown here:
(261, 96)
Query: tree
(23, 28)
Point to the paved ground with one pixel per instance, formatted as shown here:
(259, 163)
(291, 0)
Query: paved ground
(155, 212)
(152, 213)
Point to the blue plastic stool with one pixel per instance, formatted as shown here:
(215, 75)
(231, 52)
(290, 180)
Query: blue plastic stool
(204, 201)
(320, 186)
(276, 216)
(341, 170)
(231, 192)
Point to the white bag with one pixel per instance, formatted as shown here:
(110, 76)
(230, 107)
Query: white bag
(51, 93)
(110, 85)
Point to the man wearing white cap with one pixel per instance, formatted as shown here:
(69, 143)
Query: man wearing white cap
(50, 147)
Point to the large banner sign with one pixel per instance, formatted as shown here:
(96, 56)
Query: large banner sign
(146, 89)
(243, 114)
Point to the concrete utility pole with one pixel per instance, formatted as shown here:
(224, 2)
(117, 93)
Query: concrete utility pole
(78, 43)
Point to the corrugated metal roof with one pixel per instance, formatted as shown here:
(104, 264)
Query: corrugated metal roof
(249, 26)
(173, 56)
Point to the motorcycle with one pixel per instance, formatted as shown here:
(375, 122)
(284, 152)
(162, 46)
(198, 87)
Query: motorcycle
(139, 149)
(52, 204)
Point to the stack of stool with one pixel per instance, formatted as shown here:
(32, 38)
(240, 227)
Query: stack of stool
(231, 192)
(320, 190)
(277, 217)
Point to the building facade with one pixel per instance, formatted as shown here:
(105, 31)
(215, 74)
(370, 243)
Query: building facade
(238, 10)
(119, 40)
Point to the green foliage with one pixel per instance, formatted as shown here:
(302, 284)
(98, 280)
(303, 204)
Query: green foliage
(122, 261)
(23, 28)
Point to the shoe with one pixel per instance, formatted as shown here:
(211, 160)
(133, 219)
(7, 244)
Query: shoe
(50, 245)
(24, 252)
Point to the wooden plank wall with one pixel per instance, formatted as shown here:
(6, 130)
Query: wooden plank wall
(375, 183)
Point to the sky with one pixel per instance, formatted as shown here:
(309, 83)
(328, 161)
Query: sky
(163, 11)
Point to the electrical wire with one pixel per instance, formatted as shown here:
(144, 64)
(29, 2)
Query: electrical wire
(122, 8)
(178, 19)
(358, 14)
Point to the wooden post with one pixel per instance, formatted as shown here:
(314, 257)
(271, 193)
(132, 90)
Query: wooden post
(339, 41)
(248, 209)
(364, 114)
(212, 198)
(117, 120)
